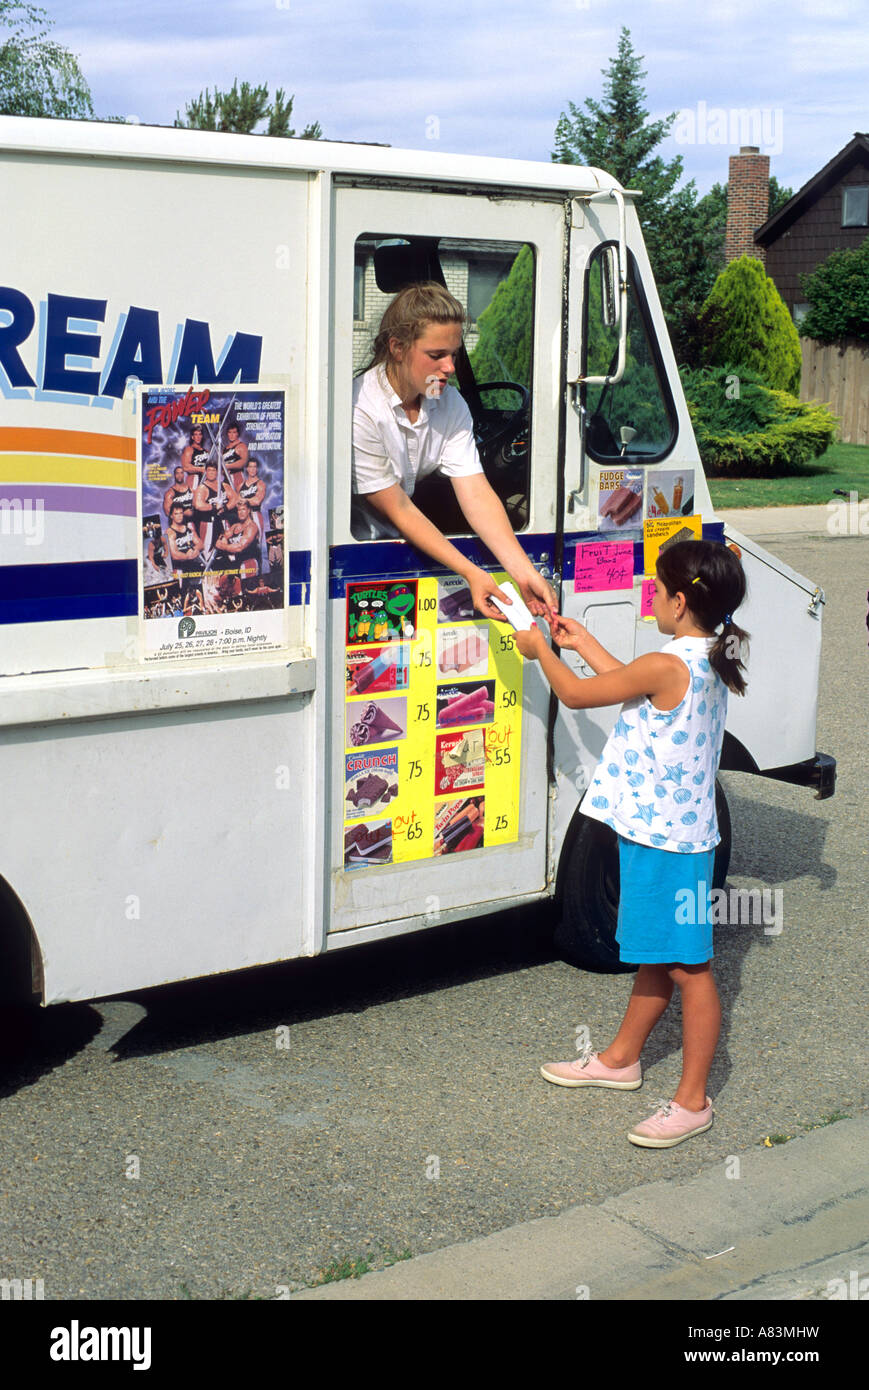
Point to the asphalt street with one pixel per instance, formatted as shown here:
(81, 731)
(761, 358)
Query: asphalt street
(167, 1146)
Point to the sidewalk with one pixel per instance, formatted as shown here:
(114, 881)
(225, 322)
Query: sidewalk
(764, 523)
(788, 1222)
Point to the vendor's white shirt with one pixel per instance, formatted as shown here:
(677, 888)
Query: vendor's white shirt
(388, 449)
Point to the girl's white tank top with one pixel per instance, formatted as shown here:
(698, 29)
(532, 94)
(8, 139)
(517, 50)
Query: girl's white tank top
(655, 782)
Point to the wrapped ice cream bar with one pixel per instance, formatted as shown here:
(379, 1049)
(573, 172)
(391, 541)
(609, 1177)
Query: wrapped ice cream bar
(460, 706)
(471, 840)
(457, 605)
(365, 842)
(368, 790)
(466, 650)
(622, 505)
(368, 674)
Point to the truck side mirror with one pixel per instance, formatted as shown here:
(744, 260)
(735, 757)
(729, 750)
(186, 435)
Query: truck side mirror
(610, 300)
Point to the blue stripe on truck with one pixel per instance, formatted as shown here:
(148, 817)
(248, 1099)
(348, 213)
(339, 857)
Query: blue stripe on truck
(97, 589)
(373, 559)
(83, 589)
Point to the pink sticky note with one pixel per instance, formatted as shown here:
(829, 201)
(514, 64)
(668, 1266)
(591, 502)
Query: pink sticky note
(646, 598)
(603, 565)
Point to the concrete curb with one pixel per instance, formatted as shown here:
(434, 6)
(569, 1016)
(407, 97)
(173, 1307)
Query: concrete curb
(788, 1222)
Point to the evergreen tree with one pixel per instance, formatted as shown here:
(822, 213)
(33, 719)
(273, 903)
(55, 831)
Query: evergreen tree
(503, 351)
(38, 77)
(615, 136)
(684, 235)
(752, 326)
(241, 109)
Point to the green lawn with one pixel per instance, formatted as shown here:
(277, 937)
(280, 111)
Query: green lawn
(843, 466)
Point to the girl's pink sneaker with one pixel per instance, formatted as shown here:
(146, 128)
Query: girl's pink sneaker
(588, 1071)
(670, 1125)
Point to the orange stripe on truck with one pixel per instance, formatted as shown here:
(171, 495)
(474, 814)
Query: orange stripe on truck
(104, 446)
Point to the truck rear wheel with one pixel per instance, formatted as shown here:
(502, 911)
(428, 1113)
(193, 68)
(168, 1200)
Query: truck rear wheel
(587, 893)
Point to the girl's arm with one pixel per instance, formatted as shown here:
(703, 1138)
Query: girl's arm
(661, 677)
(572, 635)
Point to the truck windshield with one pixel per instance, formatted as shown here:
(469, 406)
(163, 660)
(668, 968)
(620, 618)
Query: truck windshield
(635, 418)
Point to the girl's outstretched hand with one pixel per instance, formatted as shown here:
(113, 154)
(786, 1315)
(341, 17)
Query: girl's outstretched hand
(567, 632)
(531, 643)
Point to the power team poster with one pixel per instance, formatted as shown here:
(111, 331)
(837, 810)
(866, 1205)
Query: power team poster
(433, 724)
(212, 493)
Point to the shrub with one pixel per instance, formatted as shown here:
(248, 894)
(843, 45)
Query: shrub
(838, 295)
(757, 432)
(752, 325)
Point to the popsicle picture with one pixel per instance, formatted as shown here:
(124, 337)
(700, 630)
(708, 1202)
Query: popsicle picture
(466, 704)
(462, 649)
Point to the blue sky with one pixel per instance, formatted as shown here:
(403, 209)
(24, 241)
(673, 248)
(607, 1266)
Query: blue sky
(492, 76)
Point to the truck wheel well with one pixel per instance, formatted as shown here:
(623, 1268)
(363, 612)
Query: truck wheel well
(20, 956)
(735, 757)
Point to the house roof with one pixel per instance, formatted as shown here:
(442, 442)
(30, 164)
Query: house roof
(856, 151)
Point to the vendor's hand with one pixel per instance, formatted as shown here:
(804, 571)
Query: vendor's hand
(482, 586)
(531, 643)
(538, 595)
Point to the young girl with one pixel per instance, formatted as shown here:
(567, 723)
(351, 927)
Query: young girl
(407, 423)
(655, 786)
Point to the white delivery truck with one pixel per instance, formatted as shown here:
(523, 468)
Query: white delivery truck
(230, 731)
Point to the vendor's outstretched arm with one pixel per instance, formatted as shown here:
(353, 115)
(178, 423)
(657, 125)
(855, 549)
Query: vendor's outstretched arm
(416, 528)
(485, 514)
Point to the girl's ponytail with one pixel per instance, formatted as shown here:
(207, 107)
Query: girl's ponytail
(726, 655)
(713, 581)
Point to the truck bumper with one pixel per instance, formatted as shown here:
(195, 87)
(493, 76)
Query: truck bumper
(819, 771)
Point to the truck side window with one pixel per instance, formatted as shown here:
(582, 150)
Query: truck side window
(494, 282)
(635, 418)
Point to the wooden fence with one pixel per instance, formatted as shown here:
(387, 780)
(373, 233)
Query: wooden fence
(838, 373)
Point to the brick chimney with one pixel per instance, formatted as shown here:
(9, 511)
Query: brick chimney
(747, 203)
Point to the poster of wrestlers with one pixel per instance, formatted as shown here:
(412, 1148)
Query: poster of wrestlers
(212, 492)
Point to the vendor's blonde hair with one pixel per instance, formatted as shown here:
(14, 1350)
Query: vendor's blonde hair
(407, 316)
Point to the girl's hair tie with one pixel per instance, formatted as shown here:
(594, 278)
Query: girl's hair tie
(728, 619)
(696, 579)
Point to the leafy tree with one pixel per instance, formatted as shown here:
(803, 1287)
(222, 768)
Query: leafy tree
(38, 77)
(241, 109)
(838, 293)
(752, 325)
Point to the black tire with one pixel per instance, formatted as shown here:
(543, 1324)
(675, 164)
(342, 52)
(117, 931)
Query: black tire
(587, 892)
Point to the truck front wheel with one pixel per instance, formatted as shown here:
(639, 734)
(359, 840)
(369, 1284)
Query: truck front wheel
(587, 893)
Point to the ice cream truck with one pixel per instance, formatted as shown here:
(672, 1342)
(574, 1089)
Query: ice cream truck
(232, 731)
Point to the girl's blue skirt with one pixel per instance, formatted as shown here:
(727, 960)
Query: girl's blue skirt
(664, 911)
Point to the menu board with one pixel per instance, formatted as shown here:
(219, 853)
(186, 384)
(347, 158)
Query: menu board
(433, 724)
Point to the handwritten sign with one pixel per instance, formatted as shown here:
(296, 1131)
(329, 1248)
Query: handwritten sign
(647, 595)
(603, 565)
